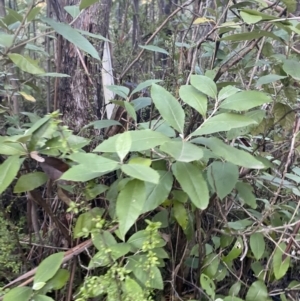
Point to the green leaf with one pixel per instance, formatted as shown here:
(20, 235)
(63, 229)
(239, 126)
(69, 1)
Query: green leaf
(144, 85)
(223, 122)
(73, 36)
(240, 224)
(229, 153)
(130, 110)
(139, 238)
(11, 149)
(211, 265)
(140, 140)
(119, 90)
(86, 3)
(235, 252)
(245, 100)
(58, 281)
(130, 203)
(222, 177)
(101, 124)
(267, 79)
(256, 34)
(280, 267)
(53, 74)
(92, 35)
(33, 13)
(91, 166)
(194, 98)
(182, 151)
(158, 126)
(227, 91)
(232, 298)
(151, 275)
(235, 289)
(123, 145)
(103, 240)
(249, 18)
(157, 194)
(257, 245)
(8, 170)
(291, 67)
(168, 107)
(48, 268)
(208, 286)
(6, 40)
(257, 291)
(154, 49)
(42, 298)
(18, 294)
(26, 64)
(205, 85)
(30, 181)
(141, 172)
(141, 102)
(245, 191)
(180, 214)
(192, 182)
(73, 10)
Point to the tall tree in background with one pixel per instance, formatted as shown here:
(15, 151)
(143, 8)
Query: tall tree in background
(79, 98)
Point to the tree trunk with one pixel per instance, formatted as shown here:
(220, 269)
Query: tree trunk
(79, 98)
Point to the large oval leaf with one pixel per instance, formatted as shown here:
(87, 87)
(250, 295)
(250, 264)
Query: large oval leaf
(245, 100)
(30, 181)
(141, 172)
(130, 204)
(205, 85)
(222, 177)
(182, 151)
(257, 245)
(223, 122)
(48, 268)
(8, 171)
(169, 108)
(229, 153)
(18, 294)
(280, 266)
(257, 291)
(192, 182)
(140, 140)
(194, 98)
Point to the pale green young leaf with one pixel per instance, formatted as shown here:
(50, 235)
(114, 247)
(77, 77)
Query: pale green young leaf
(141, 102)
(48, 267)
(130, 203)
(141, 172)
(249, 18)
(42, 298)
(103, 240)
(257, 291)
(257, 245)
(140, 140)
(156, 194)
(8, 170)
(192, 182)
(223, 122)
(168, 107)
(245, 100)
(26, 64)
(6, 40)
(205, 85)
(33, 13)
(222, 177)
(182, 151)
(130, 110)
(73, 36)
(235, 289)
(194, 98)
(280, 266)
(30, 181)
(18, 294)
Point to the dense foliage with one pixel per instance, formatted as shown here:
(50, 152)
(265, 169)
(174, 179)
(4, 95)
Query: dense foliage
(192, 194)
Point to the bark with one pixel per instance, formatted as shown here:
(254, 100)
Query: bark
(79, 97)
